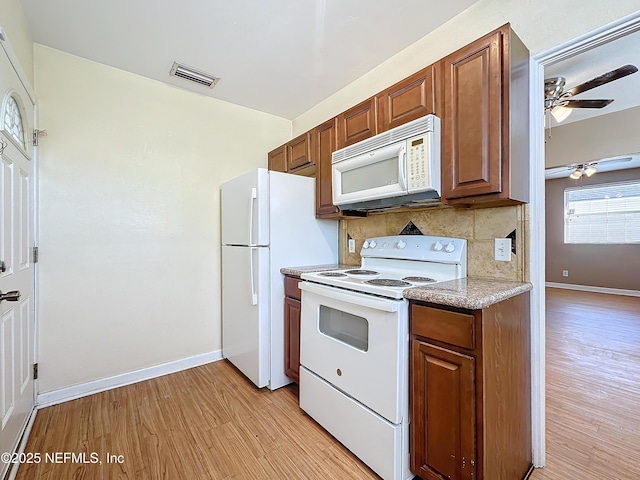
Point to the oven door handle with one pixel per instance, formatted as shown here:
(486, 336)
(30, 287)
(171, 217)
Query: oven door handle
(351, 297)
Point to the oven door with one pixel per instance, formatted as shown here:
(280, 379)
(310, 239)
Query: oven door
(357, 343)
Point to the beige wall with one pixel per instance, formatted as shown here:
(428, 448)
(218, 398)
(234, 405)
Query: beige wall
(611, 266)
(605, 136)
(129, 216)
(479, 227)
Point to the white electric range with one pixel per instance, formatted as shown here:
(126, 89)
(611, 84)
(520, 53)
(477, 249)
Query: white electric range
(354, 344)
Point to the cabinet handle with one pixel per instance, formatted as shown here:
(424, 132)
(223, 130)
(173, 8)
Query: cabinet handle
(3, 266)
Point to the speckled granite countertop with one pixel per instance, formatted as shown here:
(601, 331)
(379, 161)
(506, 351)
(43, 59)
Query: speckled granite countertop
(298, 271)
(471, 293)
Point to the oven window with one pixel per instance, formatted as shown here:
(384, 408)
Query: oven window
(344, 327)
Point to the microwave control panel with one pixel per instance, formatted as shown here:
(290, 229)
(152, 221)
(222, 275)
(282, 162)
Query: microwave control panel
(418, 174)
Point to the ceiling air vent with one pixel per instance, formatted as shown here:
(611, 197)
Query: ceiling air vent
(188, 73)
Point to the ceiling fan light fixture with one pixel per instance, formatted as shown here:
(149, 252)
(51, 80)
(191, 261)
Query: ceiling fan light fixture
(576, 174)
(561, 113)
(589, 170)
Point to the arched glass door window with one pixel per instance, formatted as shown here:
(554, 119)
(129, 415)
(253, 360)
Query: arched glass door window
(13, 121)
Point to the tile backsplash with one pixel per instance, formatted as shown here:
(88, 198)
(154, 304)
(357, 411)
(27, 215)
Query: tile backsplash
(479, 227)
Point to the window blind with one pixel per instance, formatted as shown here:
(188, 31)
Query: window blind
(605, 213)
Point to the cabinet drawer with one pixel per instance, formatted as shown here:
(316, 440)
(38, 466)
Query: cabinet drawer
(291, 287)
(449, 327)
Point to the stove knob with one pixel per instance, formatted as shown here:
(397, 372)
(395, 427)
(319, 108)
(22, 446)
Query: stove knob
(450, 247)
(372, 244)
(401, 244)
(437, 246)
(365, 244)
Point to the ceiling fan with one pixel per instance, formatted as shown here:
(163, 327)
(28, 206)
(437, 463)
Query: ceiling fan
(559, 101)
(588, 168)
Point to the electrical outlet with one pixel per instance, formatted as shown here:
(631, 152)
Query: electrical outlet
(503, 249)
(565, 273)
(352, 245)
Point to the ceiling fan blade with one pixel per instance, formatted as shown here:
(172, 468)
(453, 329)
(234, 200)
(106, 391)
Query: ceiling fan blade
(604, 78)
(587, 103)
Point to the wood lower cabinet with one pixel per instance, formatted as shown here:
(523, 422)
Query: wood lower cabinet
(470, 391)
(278, 159)
(357, 124)
(292, 310)
(412, 98)
(485, 150)
(444, 412)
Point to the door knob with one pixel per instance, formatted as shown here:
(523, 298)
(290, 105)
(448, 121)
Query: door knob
(12, 296)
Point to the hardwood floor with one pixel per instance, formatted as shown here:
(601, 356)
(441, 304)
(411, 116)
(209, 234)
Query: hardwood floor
(211, 423)
(592, 387)
(208, 422)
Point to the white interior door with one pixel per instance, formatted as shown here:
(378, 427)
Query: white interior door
(16, 270)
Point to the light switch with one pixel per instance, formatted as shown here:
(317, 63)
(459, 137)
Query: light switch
(352, 245)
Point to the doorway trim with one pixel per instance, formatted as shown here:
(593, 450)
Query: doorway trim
(593, 39)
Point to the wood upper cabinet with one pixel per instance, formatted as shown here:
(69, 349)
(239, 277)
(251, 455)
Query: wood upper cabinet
(278, 159)
(357, 123)
(299, 153)
(325, 142)
(486, 122)
(412, 98)
(470, 391)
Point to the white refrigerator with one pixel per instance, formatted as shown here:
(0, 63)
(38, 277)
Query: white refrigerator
(268, 222)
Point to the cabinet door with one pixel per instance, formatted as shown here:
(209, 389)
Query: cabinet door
(277, 159)
(299, 152)
(325, 142)
(357, 123)
(409, 99)
(292, 338)
(473, 109)
(442, 400)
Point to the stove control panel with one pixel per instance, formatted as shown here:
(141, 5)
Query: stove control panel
(416, 247)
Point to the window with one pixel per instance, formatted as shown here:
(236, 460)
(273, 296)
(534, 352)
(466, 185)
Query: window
(606, 213)
(13, 121)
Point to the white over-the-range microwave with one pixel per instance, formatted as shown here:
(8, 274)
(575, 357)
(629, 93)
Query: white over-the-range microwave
(399, 167)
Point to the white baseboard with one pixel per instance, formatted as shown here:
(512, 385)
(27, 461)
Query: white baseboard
(587, 288)
(77, 391)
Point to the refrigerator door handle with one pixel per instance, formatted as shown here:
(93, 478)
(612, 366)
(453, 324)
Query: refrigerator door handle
(254, 196)
(254, 295)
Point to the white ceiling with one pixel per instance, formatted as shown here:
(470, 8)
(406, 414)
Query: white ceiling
(595, 62)
(277, 56)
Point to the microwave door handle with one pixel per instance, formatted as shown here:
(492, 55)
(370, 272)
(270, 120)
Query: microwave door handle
(254, 196)
(402, 166)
